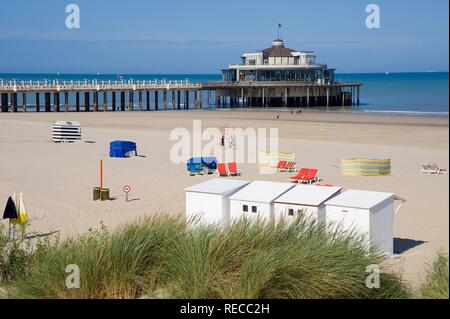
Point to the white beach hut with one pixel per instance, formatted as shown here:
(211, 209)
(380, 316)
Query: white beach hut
(256, 200)
(66, 131)
(368, 213)
(207, 203)
(308, 200)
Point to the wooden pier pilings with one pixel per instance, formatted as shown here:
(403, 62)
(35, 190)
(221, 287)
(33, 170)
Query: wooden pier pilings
(106, 96)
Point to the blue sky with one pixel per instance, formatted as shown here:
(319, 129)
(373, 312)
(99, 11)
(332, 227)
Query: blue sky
(200, 36)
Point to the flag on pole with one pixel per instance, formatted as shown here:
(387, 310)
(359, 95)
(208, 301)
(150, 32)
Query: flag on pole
(279, 27)
(10, 210)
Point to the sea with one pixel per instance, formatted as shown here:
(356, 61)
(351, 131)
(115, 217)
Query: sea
(424, 93)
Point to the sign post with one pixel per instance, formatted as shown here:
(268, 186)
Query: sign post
(126, 189)
(101, 175)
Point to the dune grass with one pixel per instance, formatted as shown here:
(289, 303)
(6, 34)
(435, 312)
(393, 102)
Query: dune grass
(436, 283)
(123, 264)
(160, 256)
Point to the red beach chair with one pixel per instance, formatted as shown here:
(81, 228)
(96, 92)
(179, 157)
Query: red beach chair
(281, 165)
(311, 177)
(222, 170)
(233, 169)
(291, 166)
(300, 175)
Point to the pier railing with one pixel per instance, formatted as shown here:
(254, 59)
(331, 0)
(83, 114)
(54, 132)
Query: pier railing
(96, 85)
(256, 84)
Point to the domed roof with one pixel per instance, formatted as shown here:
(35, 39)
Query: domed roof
(277, 50)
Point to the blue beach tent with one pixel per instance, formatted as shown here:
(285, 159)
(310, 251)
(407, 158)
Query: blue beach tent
(199, 165)
(122, 149)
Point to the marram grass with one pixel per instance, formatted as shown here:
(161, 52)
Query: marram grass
(436, 282)
(160, 256)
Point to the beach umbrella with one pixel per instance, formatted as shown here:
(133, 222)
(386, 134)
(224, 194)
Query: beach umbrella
(10, 210)
(22, 212)
(22, 216)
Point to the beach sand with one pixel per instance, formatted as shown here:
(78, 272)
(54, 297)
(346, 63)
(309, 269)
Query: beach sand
(57, 179)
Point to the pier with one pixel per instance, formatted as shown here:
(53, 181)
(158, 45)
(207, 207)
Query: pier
(102, 96)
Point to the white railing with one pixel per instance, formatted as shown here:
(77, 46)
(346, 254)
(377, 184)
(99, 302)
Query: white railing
(30, 85)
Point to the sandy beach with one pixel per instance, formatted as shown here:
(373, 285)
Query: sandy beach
(57, 179)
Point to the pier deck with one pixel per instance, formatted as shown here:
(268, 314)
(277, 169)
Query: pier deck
(114, 95)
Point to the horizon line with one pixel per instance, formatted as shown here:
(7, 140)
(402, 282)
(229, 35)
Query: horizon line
(171, 73)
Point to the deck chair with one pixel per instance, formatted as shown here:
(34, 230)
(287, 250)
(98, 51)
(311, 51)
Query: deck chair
(301, 174)
(291, 166)
(222, 170)
(435, 169)
(233, 169)
(311, 177)
(281, 165)
(425, 169)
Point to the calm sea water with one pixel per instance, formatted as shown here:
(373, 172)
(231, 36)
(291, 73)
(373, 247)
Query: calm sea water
(396, 93)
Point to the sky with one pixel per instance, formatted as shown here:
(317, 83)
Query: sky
(204, 36)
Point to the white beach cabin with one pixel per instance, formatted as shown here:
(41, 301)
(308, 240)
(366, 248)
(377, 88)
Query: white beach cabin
(308, 200)
(369, 213)
(207, 203)
(256, 200)
(63, 131)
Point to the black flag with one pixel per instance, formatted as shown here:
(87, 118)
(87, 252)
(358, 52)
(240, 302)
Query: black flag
(10, 210)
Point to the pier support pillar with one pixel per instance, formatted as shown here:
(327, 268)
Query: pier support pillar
(140, 101)
(47, 97)
(179, 99)
(357, 95)
(263, 92)
(113, 101)
(77, 101)
(328, 97)
(195, 99)
(173, 100)
(122, 101)
(147, 100)
(131, 101)
(187, 100)
(217, 100)
(307, 97)
(343, 98)
(24, 102)
(156, 101)
(105, 101)
(95, 101)
(201, 99)
(14, 102)
(38, 102)
(56, 101)
(165, 100)
(87, 101)
(4, 102)
(66, 101)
